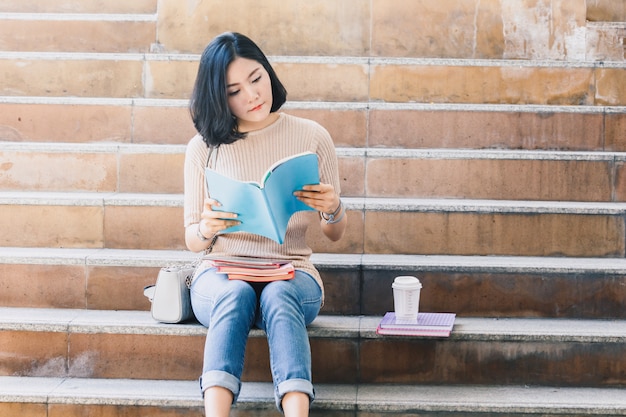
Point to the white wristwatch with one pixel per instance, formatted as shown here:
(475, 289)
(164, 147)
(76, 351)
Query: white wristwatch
(200, 235)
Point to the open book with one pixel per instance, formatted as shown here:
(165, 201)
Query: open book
(265, 208)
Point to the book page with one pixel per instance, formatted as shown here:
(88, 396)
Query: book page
(291, 175)
(244, 198)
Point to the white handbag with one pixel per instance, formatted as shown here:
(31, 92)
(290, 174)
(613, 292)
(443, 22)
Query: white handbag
(171, 302)
(170, 298)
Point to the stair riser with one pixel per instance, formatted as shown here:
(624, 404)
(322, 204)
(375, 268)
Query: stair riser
(255, 410)
(78, 410)
(78, 36)
(490, 179)
(127, 410)
(78, 6)
(493, 234)
(343, 82)
(93, 171)
(424, 361)
(135, 123)
(430, 128)
(465, 84)
(348, 292)
(419, 177)
(503, 130)
(83, 78)
(487, 362)
(383, 232)
(607, 40)
(76, 286)
(483, 294)
(606, 10)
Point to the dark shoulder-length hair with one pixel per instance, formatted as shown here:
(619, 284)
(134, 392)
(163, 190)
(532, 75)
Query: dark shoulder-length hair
(209, 100)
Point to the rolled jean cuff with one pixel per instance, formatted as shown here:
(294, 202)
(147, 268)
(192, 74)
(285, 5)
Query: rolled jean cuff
(220, 379)
(293, 385)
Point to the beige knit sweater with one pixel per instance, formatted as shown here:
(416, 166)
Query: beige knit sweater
(247, 160)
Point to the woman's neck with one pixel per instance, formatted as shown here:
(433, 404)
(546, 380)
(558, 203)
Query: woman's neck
(247, 127)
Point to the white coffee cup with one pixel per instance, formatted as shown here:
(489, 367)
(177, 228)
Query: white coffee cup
(406, 298)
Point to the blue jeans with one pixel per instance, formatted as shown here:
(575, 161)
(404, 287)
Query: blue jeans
(283, 309)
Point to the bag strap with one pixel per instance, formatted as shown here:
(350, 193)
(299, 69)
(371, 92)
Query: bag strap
(208, 158)
(208, 163)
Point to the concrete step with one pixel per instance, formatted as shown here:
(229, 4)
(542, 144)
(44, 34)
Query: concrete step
(478, 286)
(428, 28)
(130, 344)
(377, 225)
(408, 125)
(379, 29)
(73, 32)
(337, 79)
(422, 173)
(157, 398)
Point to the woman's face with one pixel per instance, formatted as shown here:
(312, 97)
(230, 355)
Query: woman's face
(249, 92)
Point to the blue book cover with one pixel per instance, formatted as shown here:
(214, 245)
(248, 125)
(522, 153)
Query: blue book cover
(265, 208)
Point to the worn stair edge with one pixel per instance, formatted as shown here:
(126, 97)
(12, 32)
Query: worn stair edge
(324, 60)
(416, 205)
(418, 263)
(330, 105)
(366, 398)
(390, 153)
(607, 25)
(325, 326)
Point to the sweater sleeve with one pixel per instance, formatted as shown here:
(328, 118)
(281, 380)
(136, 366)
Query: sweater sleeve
(329, 171)
(195, 161)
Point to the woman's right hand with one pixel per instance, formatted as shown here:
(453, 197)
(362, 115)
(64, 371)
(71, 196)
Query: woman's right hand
(212, 221)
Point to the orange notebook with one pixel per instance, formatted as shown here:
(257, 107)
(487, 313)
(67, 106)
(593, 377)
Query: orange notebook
(255, 270)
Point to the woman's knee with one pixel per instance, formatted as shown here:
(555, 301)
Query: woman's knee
(211, 292)
(300, 297)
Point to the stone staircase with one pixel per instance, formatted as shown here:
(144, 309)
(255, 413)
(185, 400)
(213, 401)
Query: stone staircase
(482, 147)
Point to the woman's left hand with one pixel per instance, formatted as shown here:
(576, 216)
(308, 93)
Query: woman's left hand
(321, 197)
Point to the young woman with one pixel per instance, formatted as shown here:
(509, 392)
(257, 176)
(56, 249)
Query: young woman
(234, 108)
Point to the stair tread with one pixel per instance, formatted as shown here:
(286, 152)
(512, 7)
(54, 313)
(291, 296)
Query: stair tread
(364, 397)
(333, 105)
(449, 263)
(353, 203)
(397, 153)
(321, 59)
(325, 326)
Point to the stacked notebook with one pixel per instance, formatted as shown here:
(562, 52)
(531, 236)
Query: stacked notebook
(428, 324)
(253, 269)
